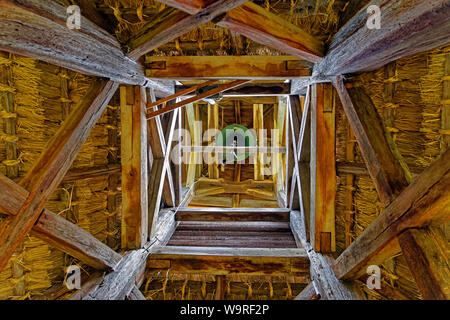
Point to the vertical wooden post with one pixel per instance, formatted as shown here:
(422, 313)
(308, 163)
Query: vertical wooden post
(213, 123)
(134, 167)
(323, 169)
(258, 126)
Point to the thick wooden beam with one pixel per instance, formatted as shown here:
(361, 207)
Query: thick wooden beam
(323, 170)
(252, 89)
(188, 6)
(49, 170)
(425, 201)
(206, 94)
(360, 169)
(225, 261)
(128, 273)
(87, 173)
(258, 126)
(426, 251)
(134, 155)
(389, 172)
(260, 189)
(262, 26)
(38, 29)
(328, 285)
(213, 127)
(407, 28)
(172, 23)
(226, 67)
(57, 231)
(229, 214)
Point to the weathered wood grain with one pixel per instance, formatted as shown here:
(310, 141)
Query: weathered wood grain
(262, 26)
(235, 214)
(425, 201)
(226, 67)
(54, 162)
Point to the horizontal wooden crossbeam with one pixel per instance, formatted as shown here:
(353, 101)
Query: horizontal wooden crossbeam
(232, 214)
(253, 89)
(259, 189)
(226, 67)
(262, 26)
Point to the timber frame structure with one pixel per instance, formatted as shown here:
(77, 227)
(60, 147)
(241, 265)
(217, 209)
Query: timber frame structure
(163, 204)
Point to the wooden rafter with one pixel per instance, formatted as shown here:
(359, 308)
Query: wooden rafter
(384, 162)
(425, 201)
(134, 157)
(207, 94)
(405, 30)
(49, 170)
(264, 27)
(57, 231)
(226, 67)
(172, 23)
(188, 6)
(38, 29)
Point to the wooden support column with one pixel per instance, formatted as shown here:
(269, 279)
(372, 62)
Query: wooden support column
(349, 189)
(426, 252)
(323, 170)
(213, 124)
(405, 30)
(258, 125)
(425, 201)
(277, 141)
(386, 166)
(194, 130)
(113, 178)
(49, 170)
(134, 155)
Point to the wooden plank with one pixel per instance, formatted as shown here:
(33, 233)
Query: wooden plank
(134, 157)
(328, 285)
(262, 26)
(207, 94)
(189, 6)
(171, 24)
(426, 252)
(252, 89)
(323, 171)
(38, 29)
(49, 170)
(57, 231)
(213, 127)
(425, 201)
(258, 126)
(384, 162)
(405, 30)
(225, 67)
(235, 214)
(261, 189)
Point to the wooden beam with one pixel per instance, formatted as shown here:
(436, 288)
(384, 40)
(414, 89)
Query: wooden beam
(309, 293)
(229, 214)
(258, 126)
(226, 67)
(405, 30)
(262, 26)
(328, 285)
(207, 94)
(225, 261)
(323, 170)
(38, 29)
(388, 170)
(260, 189)
(360, 169)
(425, 201)
(171, 24)
(188, 6)
(426, 252)
(134, 167)
(213, 127)
(252, 89)
(135, 294)
(91, 12)
(49, 170)
(57, 231)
